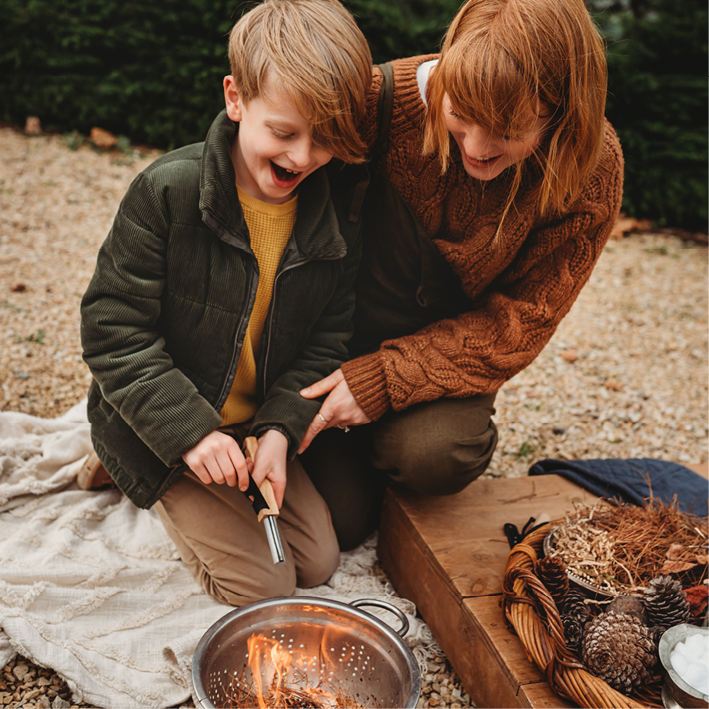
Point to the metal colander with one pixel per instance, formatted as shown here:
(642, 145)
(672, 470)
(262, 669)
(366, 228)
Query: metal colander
(331, 644)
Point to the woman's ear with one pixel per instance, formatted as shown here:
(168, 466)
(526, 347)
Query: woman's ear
(232, 98)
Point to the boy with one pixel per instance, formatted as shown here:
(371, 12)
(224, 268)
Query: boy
(223, 288)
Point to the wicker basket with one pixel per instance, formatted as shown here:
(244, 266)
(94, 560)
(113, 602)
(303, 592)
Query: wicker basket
(543, 638)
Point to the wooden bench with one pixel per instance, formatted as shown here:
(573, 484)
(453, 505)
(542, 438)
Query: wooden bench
(448, 555)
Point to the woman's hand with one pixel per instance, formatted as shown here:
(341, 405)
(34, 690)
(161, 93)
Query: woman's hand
(270, 462)
(339, 409)
(217, 458)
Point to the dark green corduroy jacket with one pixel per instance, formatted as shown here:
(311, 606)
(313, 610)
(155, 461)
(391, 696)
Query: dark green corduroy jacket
(164, 317)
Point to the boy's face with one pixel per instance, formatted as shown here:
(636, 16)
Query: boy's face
(273, 151)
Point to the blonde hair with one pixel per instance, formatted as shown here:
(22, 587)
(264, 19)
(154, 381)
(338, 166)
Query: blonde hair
(318, 56)
(501, 58)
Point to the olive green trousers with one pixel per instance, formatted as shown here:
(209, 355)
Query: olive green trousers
(434, 448)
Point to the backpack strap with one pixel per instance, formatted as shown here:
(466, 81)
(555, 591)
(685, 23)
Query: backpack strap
(385, 109)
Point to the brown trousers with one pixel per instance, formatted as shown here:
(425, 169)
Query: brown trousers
(435, 448)
(225, 548)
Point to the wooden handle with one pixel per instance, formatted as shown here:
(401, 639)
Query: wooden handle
(250, 447)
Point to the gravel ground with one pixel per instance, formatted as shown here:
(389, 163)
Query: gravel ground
(625, 375)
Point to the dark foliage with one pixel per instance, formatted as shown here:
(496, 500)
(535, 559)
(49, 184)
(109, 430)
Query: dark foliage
(153, 72)
(403, 28)
(657, 53)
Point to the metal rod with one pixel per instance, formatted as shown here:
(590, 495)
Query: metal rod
(274, 540)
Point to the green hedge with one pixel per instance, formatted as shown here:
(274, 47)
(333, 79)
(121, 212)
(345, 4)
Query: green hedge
(153, 72)
(150, 71)
(657, 101)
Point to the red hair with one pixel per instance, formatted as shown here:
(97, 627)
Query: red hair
(501, 58)
(315, 52)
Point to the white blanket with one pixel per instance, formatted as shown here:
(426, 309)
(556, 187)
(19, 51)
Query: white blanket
(93, 587)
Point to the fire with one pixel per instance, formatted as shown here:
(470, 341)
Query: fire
(281, 661)
(278, 681)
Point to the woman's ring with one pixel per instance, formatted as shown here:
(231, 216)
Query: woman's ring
(322, 418)
(346, 429)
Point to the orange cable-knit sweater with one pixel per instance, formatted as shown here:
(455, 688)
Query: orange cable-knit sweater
(522, 288)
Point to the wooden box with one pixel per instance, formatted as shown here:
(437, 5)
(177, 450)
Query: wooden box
(448, 555)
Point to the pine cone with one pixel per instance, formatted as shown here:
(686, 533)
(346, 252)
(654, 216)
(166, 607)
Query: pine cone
(551, 571)
(618, 648)
(656, 632)
(628, 604)
(665, 603)
(573, 632)
(574, 605)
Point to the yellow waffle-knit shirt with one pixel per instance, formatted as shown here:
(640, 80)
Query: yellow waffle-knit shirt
(270, 227)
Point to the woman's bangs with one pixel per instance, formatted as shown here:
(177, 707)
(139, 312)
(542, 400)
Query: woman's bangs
(486, 88)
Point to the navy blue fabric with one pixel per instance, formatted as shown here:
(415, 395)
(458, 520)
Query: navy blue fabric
(627, 479)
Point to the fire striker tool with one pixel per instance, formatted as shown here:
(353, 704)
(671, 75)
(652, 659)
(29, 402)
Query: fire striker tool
(265, 506)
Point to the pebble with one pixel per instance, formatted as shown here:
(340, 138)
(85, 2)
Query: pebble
(20, 671)
(24, 685)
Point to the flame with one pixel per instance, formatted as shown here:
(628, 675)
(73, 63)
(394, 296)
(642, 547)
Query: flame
(261, 649)
(333, 653)
(272, 667)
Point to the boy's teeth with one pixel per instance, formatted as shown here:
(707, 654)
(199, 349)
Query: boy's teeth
(284, 173)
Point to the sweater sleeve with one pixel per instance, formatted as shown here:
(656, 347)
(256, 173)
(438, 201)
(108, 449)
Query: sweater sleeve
(513, 318)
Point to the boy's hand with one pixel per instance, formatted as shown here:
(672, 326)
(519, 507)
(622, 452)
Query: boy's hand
(217, 458)
(339, 409)
(271, 462)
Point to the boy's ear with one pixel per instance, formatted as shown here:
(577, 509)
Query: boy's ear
(232, 98)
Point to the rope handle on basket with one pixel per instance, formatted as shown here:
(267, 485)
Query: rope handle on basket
(540, 599)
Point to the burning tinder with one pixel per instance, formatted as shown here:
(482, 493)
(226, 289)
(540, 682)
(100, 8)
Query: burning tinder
(276, 681)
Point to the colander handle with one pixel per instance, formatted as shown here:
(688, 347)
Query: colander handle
(387, 607)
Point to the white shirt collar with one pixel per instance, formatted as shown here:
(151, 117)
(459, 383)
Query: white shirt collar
(422, 73)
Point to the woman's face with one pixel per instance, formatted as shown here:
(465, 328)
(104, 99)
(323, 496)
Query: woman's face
(485, 155)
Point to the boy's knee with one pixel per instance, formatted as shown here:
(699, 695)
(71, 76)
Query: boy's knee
(440, 449)
(230, 585)
(317, 571)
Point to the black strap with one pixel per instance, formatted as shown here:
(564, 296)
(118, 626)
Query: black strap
(385, 108)
(514, 536)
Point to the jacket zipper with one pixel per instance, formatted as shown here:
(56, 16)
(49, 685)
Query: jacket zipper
(240, 330)
(270, 316)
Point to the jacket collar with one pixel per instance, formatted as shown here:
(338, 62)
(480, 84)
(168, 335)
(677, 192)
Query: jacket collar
(316, 233)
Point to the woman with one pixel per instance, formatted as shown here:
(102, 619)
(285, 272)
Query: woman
(494, 191)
